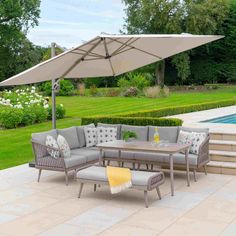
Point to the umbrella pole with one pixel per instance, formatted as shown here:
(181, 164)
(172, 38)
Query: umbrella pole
(53, 53)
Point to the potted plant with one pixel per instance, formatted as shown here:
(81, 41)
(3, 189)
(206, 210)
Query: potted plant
(129, 136)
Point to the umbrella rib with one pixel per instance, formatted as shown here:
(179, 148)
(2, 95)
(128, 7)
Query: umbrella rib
(138, 49)
(92, 55)
(81, 59)
(108, 56)
(122, 46)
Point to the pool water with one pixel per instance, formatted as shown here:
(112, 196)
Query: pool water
(230, 119)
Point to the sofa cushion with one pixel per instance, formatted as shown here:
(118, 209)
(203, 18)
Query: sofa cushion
(114, 154)
(91, 136)
(41, 137)
(118, 126)
(70, 134)
(146, 156)
(63, 146)
(106, 134)
(198, 130)
(179, 158)
(75, 160)
(166, 133)
(51, 142)
(141, 131)
(89, 153)
(81, 135)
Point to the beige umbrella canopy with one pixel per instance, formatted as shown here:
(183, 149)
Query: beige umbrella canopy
(109, 55)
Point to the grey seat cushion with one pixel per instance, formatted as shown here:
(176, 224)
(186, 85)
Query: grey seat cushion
(70, 134)
(41, 137)
(179, 158)
(114, 154)
(75, 160)
(141, 131)
(90, 154)
(166, 133)
(118, 126)
(146, 156)
(81, 136)
(198, 130)
(97, 173)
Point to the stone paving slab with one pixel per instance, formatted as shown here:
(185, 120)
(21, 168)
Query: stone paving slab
(49, 208)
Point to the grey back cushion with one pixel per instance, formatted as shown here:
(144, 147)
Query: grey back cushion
(169, 133)
(141, 131)
(118, 126)
(197, 130)
(41, 137)
(70, 134)
(80, 133)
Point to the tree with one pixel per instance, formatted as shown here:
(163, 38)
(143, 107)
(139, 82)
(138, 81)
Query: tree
(16, 17)
(174, 16)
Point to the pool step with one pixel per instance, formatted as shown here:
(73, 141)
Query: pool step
(224, 156)
(223, 136)
(220, 167)
(223, 145)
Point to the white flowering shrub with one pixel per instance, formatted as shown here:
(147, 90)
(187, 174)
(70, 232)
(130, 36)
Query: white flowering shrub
(21, 107)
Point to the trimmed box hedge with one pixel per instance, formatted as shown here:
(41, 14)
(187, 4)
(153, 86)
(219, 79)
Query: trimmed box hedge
(168, 111)
(139, 121)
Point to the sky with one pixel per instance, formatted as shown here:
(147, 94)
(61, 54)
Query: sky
(71, 22)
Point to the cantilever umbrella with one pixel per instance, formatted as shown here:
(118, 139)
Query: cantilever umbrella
(109, 55)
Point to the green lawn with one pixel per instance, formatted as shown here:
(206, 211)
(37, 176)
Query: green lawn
(15, 147)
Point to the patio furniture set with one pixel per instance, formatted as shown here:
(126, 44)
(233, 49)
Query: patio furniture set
(88, 159)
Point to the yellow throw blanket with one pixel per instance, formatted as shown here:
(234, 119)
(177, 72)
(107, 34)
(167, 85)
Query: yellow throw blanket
(119, 178)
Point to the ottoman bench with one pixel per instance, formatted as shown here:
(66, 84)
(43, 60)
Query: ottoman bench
(141, 180)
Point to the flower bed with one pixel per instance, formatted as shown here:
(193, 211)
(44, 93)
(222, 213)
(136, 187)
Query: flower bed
(22, 107)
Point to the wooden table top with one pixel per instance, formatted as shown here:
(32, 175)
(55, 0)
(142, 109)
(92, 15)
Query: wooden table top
(169, 148)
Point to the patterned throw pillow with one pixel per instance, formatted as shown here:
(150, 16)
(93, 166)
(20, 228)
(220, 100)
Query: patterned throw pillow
(63, 146)
(106, 134)
(90, 136)
(197, 140)
(184, 137)
(51, 142)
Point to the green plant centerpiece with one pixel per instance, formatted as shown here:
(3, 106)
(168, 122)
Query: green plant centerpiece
(128, 135)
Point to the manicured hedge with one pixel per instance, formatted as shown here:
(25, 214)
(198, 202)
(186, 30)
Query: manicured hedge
(140, 121)
(168, 111)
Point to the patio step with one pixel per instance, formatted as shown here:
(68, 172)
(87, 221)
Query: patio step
(220, 167)
(223, 145)
(224, 156)
(223, 136)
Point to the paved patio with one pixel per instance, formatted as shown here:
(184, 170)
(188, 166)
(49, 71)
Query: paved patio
(193, 119)
(49, 208)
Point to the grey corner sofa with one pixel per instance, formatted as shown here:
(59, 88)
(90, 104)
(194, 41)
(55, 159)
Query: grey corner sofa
(82, 156)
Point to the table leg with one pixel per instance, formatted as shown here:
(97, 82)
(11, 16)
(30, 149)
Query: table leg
(187, 167)
(100, 157)
(171, 175)
(119, 158)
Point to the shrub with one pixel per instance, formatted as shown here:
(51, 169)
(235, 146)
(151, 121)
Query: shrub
(112, 92)
(134, 80)
(152, 92)
(181, 109)
(140, 121)
(93, 91)
(10, 117)
(131, 92)
(66, 88)
(41, 114)
(60, 112)
(211, 86)
(29, 116)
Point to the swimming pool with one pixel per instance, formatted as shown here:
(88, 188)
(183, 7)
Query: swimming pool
(230, 119)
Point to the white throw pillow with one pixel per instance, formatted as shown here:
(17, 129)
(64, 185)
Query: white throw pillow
(106, 134)
(184, 137)
(51, 142)
(197, 140)
(90, 136)
(63, 146)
